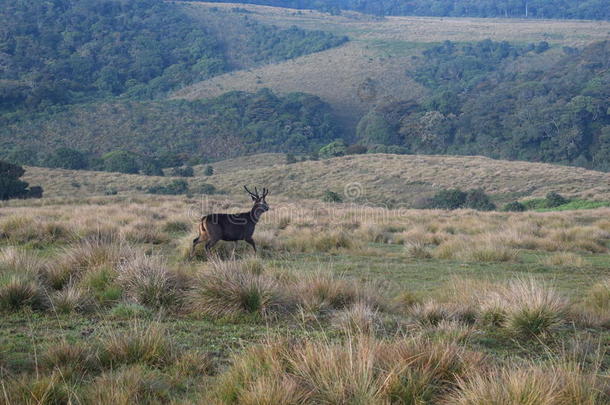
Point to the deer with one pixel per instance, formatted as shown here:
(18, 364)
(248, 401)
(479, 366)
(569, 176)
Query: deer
(232, 227)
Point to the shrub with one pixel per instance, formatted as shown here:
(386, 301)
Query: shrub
(204, 188)
(175, 187)
(355, 149)
(555, 200)
(11, 186)
(333, 149)
(449, 199)
(331, 196)
(290, 159)
(185, 171)
(66, 158)
(121, 161)
(209, 170)
(478, 200)
(514, 206)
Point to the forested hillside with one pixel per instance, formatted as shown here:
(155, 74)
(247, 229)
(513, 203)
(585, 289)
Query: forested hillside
(70, 51)
(580, 9)
(485, 99)
(231, 125)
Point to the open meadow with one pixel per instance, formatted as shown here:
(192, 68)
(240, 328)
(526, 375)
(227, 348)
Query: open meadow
(342, 304)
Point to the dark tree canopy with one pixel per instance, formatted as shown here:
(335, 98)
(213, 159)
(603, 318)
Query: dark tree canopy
(11, 186)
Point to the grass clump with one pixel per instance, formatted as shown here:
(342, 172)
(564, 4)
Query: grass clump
(360, 371)
(555, 384)
(71, 299)
(598, 296)
(140, 343)
(565, 259)
(130, 385)
(148, 281)
(21, 291)
(228, 289)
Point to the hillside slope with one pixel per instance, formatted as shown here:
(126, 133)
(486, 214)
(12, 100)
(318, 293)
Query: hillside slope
(379, 178)
(371, 68)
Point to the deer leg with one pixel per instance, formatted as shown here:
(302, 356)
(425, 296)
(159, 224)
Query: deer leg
(195, 242)
(209, 245)
(234, 248)
(251, 242)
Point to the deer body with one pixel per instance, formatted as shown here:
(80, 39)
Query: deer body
(231, 227)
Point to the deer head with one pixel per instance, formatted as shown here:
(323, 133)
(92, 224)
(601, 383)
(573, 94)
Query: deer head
(260, 205)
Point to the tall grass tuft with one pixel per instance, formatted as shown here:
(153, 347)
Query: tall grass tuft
(129, 385)
(228, 289)
(147, 280)
(555, 384)
(140, 343)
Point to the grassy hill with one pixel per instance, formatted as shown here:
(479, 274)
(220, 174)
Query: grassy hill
(378, 178)
(371, 68)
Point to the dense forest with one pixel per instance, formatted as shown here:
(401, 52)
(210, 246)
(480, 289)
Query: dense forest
(234, 124)
(68, 51)
(579, 9)
(480, 104)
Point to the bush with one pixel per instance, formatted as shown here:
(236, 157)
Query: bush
(514, 206)
(449, 199)
(290, 159)
(554, 199)
(204, 188)
(333, 149)
(209, 170)
(66, 158)
(478, 200)
(355, 149)
(452, 199)
(174, 188)
(186, 171)
(121, 161)
(11, 186)
(331, 196)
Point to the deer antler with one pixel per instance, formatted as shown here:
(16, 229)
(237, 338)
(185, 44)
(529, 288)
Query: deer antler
(265, 192)
(255, 195)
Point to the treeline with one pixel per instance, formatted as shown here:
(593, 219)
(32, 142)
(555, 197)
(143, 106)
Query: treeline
(231, 125)
(579, 9)
(482, 103)
(61, 52)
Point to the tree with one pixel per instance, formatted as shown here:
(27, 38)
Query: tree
(67, 158)
(290, 159)
(336, 148)
(11, 186)
(478, 200)
(121, 161)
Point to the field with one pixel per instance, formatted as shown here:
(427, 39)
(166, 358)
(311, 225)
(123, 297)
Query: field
(371, 68)
(343, 303)
(372, 178)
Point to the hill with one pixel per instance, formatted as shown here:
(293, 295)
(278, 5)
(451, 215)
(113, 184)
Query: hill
(589, 9)
(230, 125)
(371, 67)
(378, 178)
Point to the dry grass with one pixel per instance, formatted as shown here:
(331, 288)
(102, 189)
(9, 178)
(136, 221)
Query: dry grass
(378, 53)
(360, 371)
(554, 384)
(381, 178)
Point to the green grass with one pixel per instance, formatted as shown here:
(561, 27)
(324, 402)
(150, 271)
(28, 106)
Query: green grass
(572, 205)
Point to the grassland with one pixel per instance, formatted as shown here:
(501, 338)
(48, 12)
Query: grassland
(342, 304)
(371, 68)
(377, 179)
